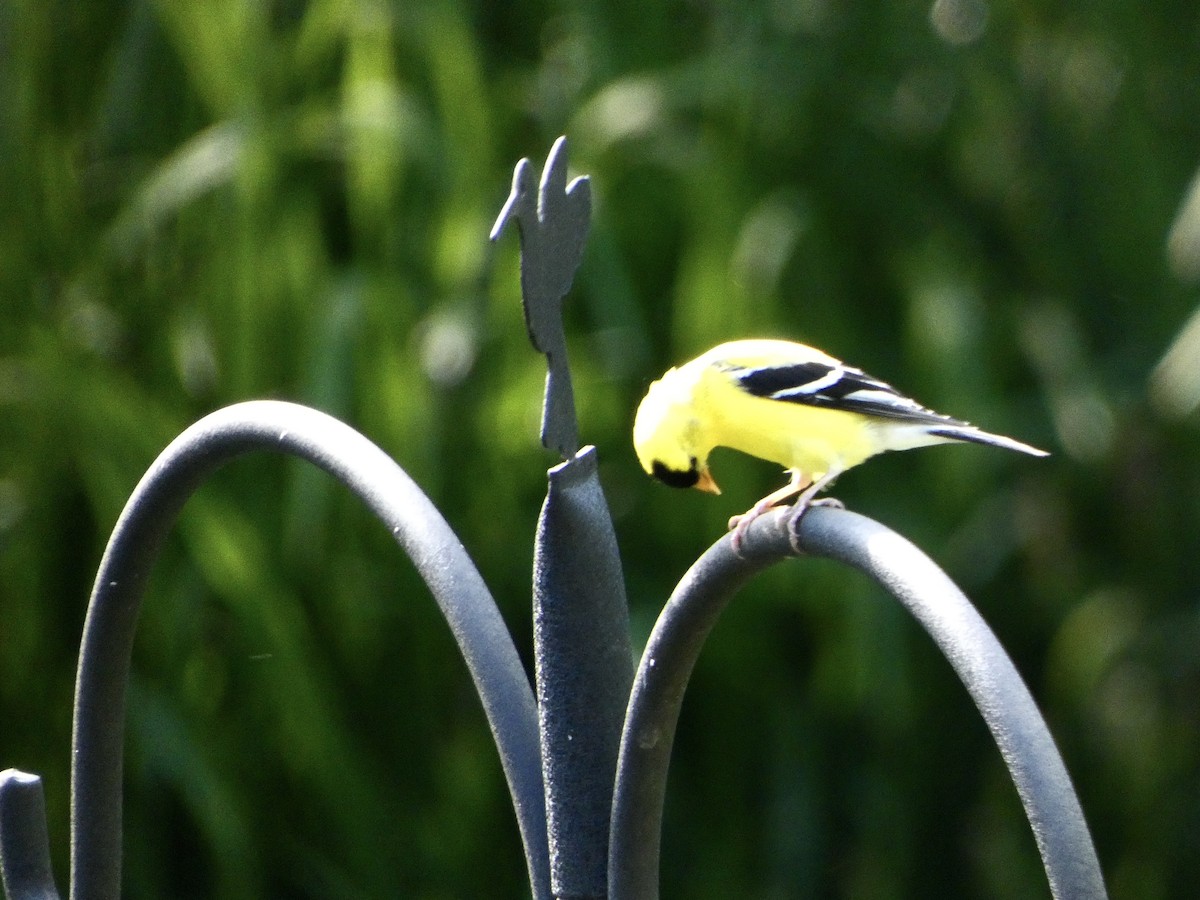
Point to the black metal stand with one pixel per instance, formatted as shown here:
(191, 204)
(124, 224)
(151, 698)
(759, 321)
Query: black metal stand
(586, 761)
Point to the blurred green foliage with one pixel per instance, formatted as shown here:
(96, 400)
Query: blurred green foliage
(994, 206)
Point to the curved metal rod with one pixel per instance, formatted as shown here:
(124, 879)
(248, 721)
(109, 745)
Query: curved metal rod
(24, 845)
(418, 527)
(1042, 782)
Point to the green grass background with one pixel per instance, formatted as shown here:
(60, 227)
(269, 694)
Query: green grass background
(986, 204)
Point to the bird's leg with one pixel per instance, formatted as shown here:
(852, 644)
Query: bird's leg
(805, 500)
(738, 524)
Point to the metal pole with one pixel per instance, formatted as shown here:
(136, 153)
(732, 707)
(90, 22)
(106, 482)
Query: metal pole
(943, 611)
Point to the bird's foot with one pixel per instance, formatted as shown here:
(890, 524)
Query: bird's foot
(739, 525)
(807, 490)
(831, 502)
(803, 505)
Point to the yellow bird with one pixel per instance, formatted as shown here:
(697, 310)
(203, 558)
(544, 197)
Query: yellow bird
(788, 403)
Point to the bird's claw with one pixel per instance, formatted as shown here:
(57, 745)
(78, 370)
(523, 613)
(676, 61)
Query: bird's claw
(830, 502)
(802, 506)
(739, 525)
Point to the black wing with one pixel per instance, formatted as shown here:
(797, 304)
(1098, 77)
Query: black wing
(834, 387)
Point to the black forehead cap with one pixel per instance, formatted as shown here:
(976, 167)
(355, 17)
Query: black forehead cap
(674, 477)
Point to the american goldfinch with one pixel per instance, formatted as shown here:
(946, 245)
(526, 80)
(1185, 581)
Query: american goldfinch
(788, 403)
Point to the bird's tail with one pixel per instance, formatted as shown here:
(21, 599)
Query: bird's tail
(973, 435)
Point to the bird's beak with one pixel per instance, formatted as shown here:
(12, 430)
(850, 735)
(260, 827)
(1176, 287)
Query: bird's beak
(706, 483)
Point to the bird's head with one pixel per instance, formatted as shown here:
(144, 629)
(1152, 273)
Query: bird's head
(666, 436)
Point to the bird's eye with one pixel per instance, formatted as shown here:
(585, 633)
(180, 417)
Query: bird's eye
(674, 477)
